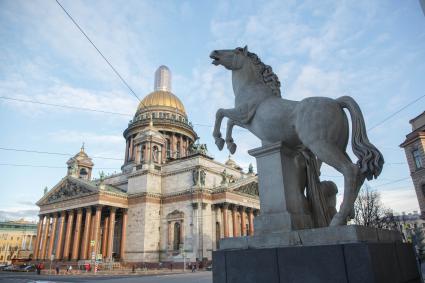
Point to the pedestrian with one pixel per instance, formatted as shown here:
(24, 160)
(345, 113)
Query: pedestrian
(38, 268)
(133, 269)
(193, 267)
(57, 268)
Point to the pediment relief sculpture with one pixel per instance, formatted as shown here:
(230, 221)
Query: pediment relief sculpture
(68, 190)
(249, 189)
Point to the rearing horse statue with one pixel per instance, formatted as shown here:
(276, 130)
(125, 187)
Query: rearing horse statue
(318, 124)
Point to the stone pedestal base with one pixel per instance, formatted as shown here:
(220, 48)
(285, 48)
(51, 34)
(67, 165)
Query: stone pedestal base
(339, 263)
(312, 237)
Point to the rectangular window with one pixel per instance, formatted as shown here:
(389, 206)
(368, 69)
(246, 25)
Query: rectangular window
(417, 158)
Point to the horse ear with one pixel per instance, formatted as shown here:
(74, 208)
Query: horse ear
(245, 50)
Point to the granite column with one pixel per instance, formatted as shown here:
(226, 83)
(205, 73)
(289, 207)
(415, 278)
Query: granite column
(77, 234)
(123, 234)
(111, 232)
(86, 234)
(59, 243)
(52, 236)
(68, 235)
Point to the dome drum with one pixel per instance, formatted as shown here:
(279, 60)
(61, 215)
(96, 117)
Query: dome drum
(160, 121)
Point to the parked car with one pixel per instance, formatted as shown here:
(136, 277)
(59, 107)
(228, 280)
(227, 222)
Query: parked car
(3, 266)
(9, 268)
(27, 268)
(209, 267)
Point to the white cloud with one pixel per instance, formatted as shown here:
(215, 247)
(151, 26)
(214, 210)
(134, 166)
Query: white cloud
(400, 200)
(26, 214)
(67, 136)
(63, 94)
(313, 81)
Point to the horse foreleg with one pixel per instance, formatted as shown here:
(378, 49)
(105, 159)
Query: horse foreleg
(231, 146)
(216, 133)
(233, 114)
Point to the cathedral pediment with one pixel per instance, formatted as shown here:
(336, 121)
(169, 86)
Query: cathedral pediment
(249, 189)
(68, 188)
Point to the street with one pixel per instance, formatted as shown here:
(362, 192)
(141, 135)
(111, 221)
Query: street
(198, 277)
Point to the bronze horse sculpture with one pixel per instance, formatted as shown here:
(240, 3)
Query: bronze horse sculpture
(318, 124)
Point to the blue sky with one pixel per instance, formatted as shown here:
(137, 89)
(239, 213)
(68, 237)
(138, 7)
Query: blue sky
(371, 50)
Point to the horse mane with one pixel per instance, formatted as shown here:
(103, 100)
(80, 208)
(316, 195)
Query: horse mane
(266, 73)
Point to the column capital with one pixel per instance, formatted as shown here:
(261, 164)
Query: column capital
(242, 208)
(112, 208)
(225, 205)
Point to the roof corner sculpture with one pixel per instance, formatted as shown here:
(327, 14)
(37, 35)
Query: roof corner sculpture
(316, 128)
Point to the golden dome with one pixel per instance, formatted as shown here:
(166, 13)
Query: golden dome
(162, 98)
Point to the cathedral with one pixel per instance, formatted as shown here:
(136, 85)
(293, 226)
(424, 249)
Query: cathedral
(171, 202)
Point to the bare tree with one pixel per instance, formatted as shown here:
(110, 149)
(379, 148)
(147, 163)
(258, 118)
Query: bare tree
(370, 212)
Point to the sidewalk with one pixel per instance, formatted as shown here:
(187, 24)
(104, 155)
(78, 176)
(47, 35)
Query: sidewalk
(115, 272)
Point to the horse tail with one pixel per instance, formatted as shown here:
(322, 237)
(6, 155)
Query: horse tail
(370, 158)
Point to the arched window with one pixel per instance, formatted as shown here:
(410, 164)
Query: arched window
(177, 239)
(178, 149)
(83, 173)
(142, 153)
(168, 148)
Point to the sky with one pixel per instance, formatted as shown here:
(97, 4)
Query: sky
(373, 51)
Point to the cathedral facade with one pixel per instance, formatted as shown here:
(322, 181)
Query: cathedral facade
(171, 202)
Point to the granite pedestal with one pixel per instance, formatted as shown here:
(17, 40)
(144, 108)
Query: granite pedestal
(360, 262)
(286, 248)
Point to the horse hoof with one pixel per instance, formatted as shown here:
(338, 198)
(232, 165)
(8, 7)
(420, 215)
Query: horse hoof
(220, 143)
(231, 147)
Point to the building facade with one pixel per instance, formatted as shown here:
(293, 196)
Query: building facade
(171, 202)
(414, 147)
(17, 239)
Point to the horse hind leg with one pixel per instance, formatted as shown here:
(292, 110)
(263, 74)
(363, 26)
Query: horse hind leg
(231, 146)
(335, 157)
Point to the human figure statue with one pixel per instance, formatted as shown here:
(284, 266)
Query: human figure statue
(223, 177)
(195, 176)
(102, 176)
(315, 127)
(202, 177)
(155, 154)
(250, 169)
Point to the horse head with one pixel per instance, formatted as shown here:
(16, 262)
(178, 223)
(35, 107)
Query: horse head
(231, 59)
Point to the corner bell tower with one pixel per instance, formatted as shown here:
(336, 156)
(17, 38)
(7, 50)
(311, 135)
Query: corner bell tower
(80, 166)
